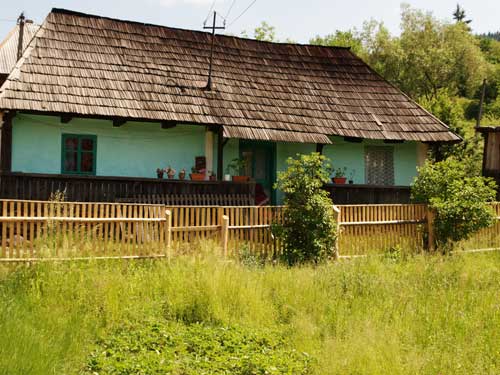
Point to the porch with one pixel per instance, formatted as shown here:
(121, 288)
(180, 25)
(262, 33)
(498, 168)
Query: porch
(78, 188)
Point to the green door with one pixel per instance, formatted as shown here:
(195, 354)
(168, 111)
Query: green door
(261, 164)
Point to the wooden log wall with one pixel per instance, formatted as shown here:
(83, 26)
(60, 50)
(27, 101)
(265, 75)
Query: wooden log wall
(368, 194)
(33, 186)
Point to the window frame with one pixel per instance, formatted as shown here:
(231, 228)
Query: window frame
(79, 153)
(388, 149)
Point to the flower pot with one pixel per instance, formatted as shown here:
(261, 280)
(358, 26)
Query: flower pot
(171, 176)
(240, 178)
(339, 180)
(212, 178)
(197, 176)
(159, 174)
(227, 177)
(182, 175)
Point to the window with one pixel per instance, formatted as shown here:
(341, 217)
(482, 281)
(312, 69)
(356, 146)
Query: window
(379, 165)
(78, 154)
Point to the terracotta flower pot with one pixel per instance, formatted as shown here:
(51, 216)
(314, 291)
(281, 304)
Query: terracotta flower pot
(159, 174)
(240, 178)
(170, 176)
(197, 176)
(212, 178)
(339, 180)
(182, 175)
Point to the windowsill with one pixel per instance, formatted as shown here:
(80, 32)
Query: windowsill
(367, 186)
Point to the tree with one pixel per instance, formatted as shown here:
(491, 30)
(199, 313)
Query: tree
(459, 15)
(308, 226)
(265, 32)
(429, 55)
(460, 201)
(349, 38)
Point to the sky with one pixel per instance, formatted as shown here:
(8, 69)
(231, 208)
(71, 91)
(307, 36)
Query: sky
(298, 20)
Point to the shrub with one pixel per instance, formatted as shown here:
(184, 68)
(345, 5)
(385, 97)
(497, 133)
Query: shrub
(460, 201)
(308, 227)
(169, 348)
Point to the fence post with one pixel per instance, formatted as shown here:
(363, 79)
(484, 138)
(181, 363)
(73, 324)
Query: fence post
(168, 229)
(336, 211)
(225, 233)
(431, 237)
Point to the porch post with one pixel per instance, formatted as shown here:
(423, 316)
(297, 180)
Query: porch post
(220, 154)
(209, 149)
(422, 149)
(319, 148)
(6, 142)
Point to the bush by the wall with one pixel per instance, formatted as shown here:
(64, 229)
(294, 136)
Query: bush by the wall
(460, 201)
(308, 227)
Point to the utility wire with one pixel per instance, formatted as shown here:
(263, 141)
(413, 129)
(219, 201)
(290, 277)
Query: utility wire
(230, 8)
(242, 13)
(209, 12)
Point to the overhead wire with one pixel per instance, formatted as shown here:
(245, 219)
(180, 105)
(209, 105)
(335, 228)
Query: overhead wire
(229, 10)
(209, 12)
(242, 13)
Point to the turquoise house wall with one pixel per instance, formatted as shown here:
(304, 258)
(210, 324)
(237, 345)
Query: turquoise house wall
(351, 155)
(137, 149)
(134, 149)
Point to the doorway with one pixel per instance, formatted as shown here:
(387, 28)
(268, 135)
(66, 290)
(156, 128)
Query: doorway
(260, 160)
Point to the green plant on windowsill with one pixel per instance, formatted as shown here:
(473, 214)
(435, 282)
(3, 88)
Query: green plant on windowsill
(235, 167)
(339, 176)
(197, 175)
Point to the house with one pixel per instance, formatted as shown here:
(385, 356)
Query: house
(100, 103)
(9, 47)
(491, 153)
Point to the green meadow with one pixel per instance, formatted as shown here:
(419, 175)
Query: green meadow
(206, 315)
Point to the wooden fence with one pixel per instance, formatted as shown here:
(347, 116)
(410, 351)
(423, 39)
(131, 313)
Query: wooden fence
(41, 229)
(246, 227)
(368, 229)
(485, 239)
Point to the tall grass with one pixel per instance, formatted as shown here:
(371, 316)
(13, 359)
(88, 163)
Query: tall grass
(428, 315)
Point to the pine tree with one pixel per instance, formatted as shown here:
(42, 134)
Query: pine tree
(459, 15)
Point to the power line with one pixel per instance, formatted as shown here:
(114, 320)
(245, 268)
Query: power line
(242, 13)
(209, 12)
(230, 8)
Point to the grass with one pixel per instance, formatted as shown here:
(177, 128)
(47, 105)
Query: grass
(426, 315)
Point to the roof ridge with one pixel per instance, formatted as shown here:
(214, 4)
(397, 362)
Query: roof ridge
(88, 15)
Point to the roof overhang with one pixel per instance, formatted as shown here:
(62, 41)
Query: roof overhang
(259, 134)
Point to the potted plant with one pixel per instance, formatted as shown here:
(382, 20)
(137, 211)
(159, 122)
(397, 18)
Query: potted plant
(170, 172)
(159, 172)
(182, 174)
(235, 167)
(211, 176)
(197, 175)
(339, 176)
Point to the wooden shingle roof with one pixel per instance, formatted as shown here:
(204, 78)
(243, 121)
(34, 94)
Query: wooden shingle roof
(8, 47)
(94, 66)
